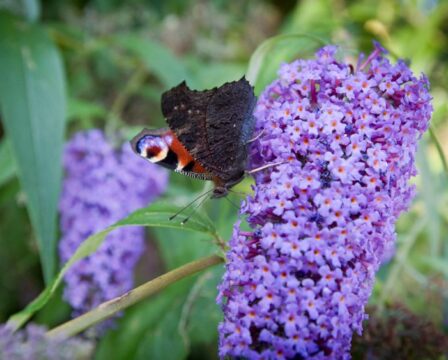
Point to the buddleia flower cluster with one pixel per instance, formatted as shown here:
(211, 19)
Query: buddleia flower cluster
(102, 185)
(31, 343)
(322, 222)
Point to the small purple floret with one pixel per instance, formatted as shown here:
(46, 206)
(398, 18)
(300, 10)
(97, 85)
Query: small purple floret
(323, 222)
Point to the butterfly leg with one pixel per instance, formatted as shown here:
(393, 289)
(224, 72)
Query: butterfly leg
(256, 137)
(261, 168)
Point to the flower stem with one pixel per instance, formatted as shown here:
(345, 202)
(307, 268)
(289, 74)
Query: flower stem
(400, 262)
(439, 149)
(111, 307)
(135, 81)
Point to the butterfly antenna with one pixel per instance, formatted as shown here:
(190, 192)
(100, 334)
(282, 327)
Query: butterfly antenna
(256, 137)
(184, 221)
(265, 167)
(189, 204)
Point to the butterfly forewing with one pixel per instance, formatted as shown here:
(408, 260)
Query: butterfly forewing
(213, 125)
(185, 112)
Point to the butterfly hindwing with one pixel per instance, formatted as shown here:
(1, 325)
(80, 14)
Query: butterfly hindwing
(161, 146)
(213, 125)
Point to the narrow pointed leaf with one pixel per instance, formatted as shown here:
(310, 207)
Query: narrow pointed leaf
(32, 105)
(430, 191)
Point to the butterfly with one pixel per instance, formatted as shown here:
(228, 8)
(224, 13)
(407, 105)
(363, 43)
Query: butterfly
(208, 133)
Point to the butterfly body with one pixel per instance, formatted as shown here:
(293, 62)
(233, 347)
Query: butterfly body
(208, 133)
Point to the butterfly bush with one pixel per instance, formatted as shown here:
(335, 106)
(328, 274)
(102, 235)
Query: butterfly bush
(102, 185)
(31, 343)
(322, 222)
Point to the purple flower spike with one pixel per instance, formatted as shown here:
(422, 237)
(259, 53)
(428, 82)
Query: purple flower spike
(103, 185)
(323, 222)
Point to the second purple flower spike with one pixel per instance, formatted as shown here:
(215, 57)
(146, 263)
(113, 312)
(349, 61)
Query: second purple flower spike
(102, 185)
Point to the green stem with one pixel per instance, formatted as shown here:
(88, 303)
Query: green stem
(111, 307)
(134, 82)
(400, 260)
(439, 149)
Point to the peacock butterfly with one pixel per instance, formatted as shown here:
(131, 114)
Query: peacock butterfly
(207, 136)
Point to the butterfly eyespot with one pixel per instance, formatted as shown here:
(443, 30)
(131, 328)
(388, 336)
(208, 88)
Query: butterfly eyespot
(152, 151)
(141, 145)
(151, 147)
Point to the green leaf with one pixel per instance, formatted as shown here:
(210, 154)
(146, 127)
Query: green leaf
(159, 60)
(9, 191)
(15, 254)
(86, 111)
(405, 244)
(266, 59)
(31, 9)
(32, 102)
(201, 315)
(439, 149)
(430, 190)
(183, 315)
(164, 337)
(133, 328)
(7, 163)
(209, 75)
(313, 15)
(177, 248)
(436, 264)
(55, 312)
(28, 9)
(157, 215)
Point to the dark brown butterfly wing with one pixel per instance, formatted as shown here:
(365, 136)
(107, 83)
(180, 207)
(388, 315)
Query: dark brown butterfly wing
(213, 125)
(185, 111)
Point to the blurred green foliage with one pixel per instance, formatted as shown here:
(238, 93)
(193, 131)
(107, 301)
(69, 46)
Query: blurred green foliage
(119, 57)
